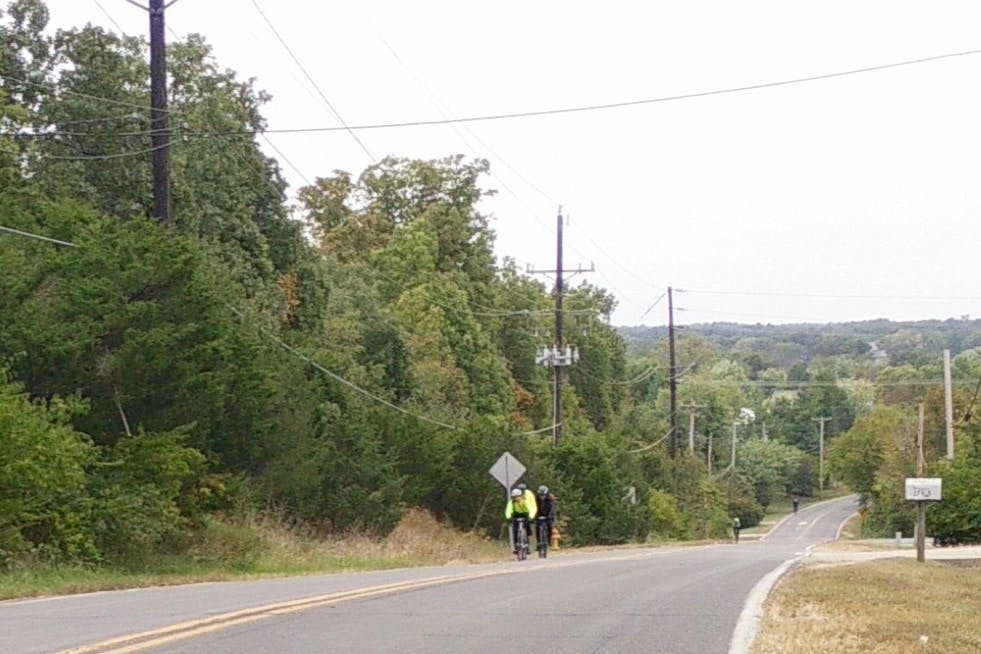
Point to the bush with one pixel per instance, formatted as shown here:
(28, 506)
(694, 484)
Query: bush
(43, 496)
(592, 477)
(956, 520)
(144, 495)
(665, 516)
(228, 545)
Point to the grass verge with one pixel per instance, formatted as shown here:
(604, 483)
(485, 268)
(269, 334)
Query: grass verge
(263, 549)
(893, 605)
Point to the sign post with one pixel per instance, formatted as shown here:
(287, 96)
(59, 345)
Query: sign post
(507, 470)
(922, 490)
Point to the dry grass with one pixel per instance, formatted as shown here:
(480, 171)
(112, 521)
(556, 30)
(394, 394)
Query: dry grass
(417, 540)
(263, 547)
(895, 606)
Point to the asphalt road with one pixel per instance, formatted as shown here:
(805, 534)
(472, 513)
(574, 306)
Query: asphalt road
(674, 600)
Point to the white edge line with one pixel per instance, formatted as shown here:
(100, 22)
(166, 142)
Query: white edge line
(749, 619)
(841, 527)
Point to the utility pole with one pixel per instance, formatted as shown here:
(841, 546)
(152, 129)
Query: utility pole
(821, 420)
(948, 406)
(672, 381)
(159, 136)
(920, 535)
(559, 355)
(692, 409)
(735, 438)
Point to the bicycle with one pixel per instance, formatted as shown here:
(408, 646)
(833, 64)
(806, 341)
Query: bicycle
(542, 534)
(521, 546)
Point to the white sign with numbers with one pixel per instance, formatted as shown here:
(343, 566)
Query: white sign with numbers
(924, 488)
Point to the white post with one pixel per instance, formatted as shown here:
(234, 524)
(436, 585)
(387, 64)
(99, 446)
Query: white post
(732, 460)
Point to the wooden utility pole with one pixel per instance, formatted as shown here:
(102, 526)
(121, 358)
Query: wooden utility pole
(558, 356)
(735, 440)
(821, 420)
(159, 133)
(557, 433)
(920, 506)
(692, 409)
(948, 405)
(672, 381)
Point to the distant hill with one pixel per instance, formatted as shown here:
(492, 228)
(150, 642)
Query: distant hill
(900, 342)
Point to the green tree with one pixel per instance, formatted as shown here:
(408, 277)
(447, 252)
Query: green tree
(43, 462)
(224, 189)
(856, 456)
(769, 466)
(141, 323)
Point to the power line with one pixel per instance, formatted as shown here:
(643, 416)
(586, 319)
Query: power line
(439, 107)
(109, 16)
(582, 108)
(630, 103)
(17, 232)
(117, 155)
(349, 384)
(831, 295)
(300, 355)
(311, 80)
(279, 342)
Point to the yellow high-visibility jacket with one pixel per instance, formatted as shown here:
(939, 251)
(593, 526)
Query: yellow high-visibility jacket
(521, 507)
(531, 501)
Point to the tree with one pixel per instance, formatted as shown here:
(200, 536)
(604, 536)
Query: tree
(140, 322)
(770, 467)
(856, 456)
(223, 188)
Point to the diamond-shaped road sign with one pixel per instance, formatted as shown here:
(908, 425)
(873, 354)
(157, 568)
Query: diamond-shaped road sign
(507, 470)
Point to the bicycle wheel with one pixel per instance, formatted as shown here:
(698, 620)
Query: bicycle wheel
(542, 536)
(521, 542)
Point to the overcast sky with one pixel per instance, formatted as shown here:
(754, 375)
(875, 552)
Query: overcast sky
(842, 199)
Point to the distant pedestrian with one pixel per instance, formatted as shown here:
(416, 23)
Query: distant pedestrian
(735, 529)
(795, 502)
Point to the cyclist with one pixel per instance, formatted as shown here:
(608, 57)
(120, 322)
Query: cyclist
(546, 512)
(518, 507)
(532, 502)
(529, 496)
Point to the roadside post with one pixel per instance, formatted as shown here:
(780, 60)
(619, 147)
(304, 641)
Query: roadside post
(507, 470)
(921, 490)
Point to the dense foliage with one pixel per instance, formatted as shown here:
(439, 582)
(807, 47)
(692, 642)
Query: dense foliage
(156, 376)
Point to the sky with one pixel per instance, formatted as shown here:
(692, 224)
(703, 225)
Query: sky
(853, 197)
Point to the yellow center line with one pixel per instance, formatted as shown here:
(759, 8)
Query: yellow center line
(156, 637)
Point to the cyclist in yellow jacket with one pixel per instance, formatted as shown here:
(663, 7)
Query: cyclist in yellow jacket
(519, 506)
(529, 496)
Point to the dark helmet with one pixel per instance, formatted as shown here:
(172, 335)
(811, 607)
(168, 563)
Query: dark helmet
(543, 490)
(523, 486)
(516, 493)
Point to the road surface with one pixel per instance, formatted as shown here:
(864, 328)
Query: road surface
(678, 600)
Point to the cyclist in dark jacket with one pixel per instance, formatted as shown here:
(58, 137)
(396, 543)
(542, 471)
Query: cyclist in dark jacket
(546, 509)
